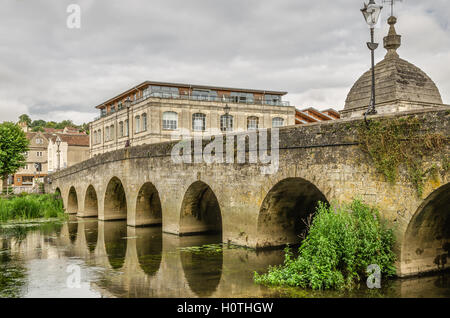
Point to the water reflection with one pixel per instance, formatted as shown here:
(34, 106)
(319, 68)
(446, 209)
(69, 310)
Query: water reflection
(72, 225)
(149, 248)
(115, 234)
(121, 261)
(91, 234)
(202, 267)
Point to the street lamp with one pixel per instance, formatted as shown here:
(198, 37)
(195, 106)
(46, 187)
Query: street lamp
(128, 105)
(371, 13)
(58, 152)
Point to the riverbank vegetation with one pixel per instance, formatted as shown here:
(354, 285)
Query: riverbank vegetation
(31, 206)
(341, 243)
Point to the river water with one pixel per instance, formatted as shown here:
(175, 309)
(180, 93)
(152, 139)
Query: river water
(91, 258)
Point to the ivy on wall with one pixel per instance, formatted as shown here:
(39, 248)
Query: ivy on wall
(402, 142)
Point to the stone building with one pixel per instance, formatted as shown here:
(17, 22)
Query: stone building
(73, 149)
(36, 167)
(155, 112)
(400, 85)
(41, 157)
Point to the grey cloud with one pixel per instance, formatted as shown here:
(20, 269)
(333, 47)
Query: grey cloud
(313, 49)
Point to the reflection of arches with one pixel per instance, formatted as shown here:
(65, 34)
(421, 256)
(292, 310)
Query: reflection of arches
(72, 201)
(200, 210)
(203, 269)
(149, 248)
(284, 207)
(426, 245)
(90, 202)
(72, 225)
(115, 242)
(91, 234)
(148, 206)
(115, 207)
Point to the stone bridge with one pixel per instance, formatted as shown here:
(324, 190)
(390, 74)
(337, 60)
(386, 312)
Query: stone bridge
(317, 162)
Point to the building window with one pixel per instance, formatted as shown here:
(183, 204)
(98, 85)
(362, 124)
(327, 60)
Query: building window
(226, 123)
(252, 123)
(39, 153)
(277, 122)
(111, 132)
(39, 141)
(144, 122)
(170, 121)
(99, 136)
(272, 99)
(137, 123)
(107, 134)
(121, 129)
(119, 105)
(238, 97)
(198, 122)
(127, 130)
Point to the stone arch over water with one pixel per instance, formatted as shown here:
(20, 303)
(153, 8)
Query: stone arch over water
(115, 234)
(426, 244)
(115, 204)
(148, 206)
(90, 202)
(72, 201)
(200, 211)
(281, 215)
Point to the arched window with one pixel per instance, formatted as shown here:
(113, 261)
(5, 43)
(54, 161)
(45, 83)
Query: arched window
(252, 123)
(198, 122)
(137, 123)
(144, 122)
(226, 123)
(111, 132)
(170, 121)
(127, 128)
(121, 129)
(106, 133)
(94, 138)
(100, 137)
(277, 122)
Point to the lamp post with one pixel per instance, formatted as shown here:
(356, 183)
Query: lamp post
(227, 118)
(58, 152)
(128, 105)
(371, 13)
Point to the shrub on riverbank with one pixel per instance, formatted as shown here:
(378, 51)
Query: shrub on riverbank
(31, 206)
(341, 243)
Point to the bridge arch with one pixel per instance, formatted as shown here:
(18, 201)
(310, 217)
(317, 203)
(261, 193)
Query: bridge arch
(200, 211)
(72, 201)
(148, 206)
(115, 202)
(281, 214)
(426, 243)
(115, 241)
(90, 202)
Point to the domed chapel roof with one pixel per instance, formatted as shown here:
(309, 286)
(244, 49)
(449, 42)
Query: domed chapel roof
(395, 79)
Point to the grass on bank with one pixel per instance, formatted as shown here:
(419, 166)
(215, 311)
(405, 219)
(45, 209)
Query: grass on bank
(341, 243)
(31, 206)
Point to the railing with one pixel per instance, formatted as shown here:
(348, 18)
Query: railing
(224, 99)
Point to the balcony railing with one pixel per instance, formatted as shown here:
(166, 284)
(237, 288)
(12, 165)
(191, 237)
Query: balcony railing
(224, 99)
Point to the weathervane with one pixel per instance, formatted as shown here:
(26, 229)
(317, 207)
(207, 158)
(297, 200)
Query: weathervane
(392, 4)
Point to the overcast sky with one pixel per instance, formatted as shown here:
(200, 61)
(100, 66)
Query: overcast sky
(315, 50)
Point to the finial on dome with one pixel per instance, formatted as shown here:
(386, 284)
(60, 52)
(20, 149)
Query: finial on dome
(392, 41)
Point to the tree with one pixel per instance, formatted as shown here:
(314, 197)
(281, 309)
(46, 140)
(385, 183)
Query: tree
(13, 145)
(24, 118)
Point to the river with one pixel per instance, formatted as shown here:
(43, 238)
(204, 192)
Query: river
(91, 258)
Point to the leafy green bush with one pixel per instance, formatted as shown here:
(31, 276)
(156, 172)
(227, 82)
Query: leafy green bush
(30, 206)
(341, 243)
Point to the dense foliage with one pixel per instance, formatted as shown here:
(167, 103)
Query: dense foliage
(341, 243)
(13, 145)
(31, 206)
(39, 125)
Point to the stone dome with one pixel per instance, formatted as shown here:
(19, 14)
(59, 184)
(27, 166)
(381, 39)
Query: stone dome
(396, 81)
